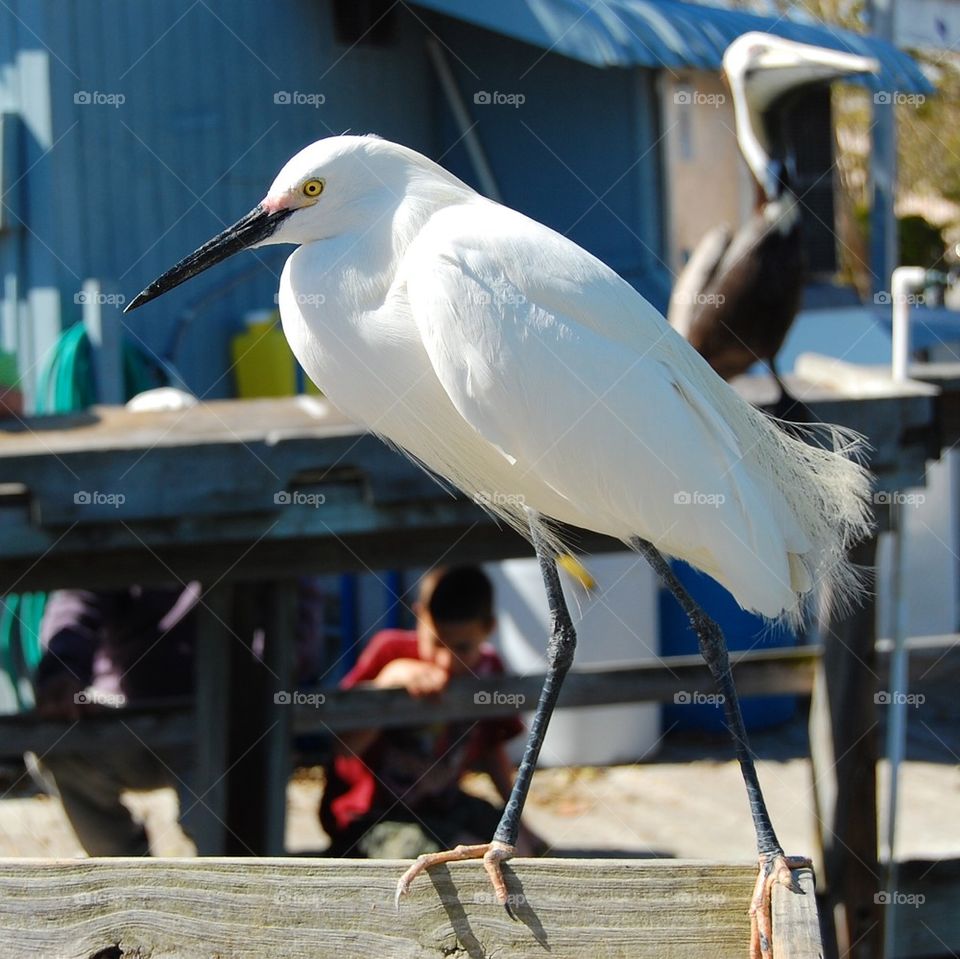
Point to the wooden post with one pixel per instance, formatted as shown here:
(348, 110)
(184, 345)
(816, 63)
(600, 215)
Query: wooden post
(843, 750)
(279, 645)
(260, 724)
(206, 821)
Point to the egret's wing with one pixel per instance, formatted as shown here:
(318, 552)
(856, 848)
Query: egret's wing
(580, 383)
(695, 277)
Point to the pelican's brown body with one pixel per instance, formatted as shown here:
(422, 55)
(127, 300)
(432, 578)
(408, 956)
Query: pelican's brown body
(748, 293)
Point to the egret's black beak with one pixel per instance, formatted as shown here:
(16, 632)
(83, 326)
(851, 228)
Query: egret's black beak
(253, 228)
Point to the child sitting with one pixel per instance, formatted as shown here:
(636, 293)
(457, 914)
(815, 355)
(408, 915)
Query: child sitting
(395, 793)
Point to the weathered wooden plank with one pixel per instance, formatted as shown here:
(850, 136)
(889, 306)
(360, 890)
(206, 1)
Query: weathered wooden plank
(232, 457)
(856, 380)
(306, 909)
(207, 490)
(758, 672)
(348, 534)
(796, 926)
(770, 672)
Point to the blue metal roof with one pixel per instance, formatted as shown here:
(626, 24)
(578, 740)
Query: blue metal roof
(666, 33)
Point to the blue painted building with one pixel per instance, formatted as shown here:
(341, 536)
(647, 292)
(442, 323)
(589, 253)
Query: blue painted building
(129, 133)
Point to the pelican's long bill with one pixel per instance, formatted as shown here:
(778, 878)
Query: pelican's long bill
(256, 226)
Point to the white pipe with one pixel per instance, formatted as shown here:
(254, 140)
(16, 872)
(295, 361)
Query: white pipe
(905, 281)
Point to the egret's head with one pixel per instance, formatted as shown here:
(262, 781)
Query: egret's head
(327, 189)
(337, 185)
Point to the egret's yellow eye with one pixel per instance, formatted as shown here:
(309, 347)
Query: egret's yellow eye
(313, 188)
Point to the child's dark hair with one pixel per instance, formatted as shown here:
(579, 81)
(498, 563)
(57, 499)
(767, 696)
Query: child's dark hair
(457, 594)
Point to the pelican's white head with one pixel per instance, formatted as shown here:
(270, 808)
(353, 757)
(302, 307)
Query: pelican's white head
(762, 69)
(330, 188)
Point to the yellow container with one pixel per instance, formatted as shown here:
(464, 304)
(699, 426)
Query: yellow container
(262, 362)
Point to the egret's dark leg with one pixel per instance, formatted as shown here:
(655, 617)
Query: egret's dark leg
(774, 866)
(560, 649)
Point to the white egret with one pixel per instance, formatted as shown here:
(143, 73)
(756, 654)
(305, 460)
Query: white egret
(521, 369)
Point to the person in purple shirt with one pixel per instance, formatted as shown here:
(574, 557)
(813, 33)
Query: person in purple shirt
(111, 649)
(120, 648)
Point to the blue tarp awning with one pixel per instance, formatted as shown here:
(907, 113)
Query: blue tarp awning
(666, 33)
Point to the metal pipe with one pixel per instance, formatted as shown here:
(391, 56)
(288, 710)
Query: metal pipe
(905, 281)
(467, 126)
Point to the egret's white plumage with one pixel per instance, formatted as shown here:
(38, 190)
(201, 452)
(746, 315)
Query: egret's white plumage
(519, 368)
(524, 371)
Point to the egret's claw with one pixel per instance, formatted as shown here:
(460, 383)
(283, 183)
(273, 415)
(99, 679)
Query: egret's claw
(776, 869)
(492, 854)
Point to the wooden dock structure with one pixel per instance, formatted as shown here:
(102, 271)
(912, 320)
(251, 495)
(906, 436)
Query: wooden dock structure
(226, 493)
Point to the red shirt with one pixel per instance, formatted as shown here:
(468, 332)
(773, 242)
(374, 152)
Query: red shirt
(411, 765)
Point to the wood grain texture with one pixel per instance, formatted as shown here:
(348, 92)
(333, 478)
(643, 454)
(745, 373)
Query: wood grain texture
(796, 929)
(307, 909)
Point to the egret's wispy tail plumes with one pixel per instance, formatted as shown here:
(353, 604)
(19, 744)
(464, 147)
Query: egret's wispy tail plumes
(815, 473)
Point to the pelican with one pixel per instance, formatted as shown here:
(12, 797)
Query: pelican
(736, 298)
